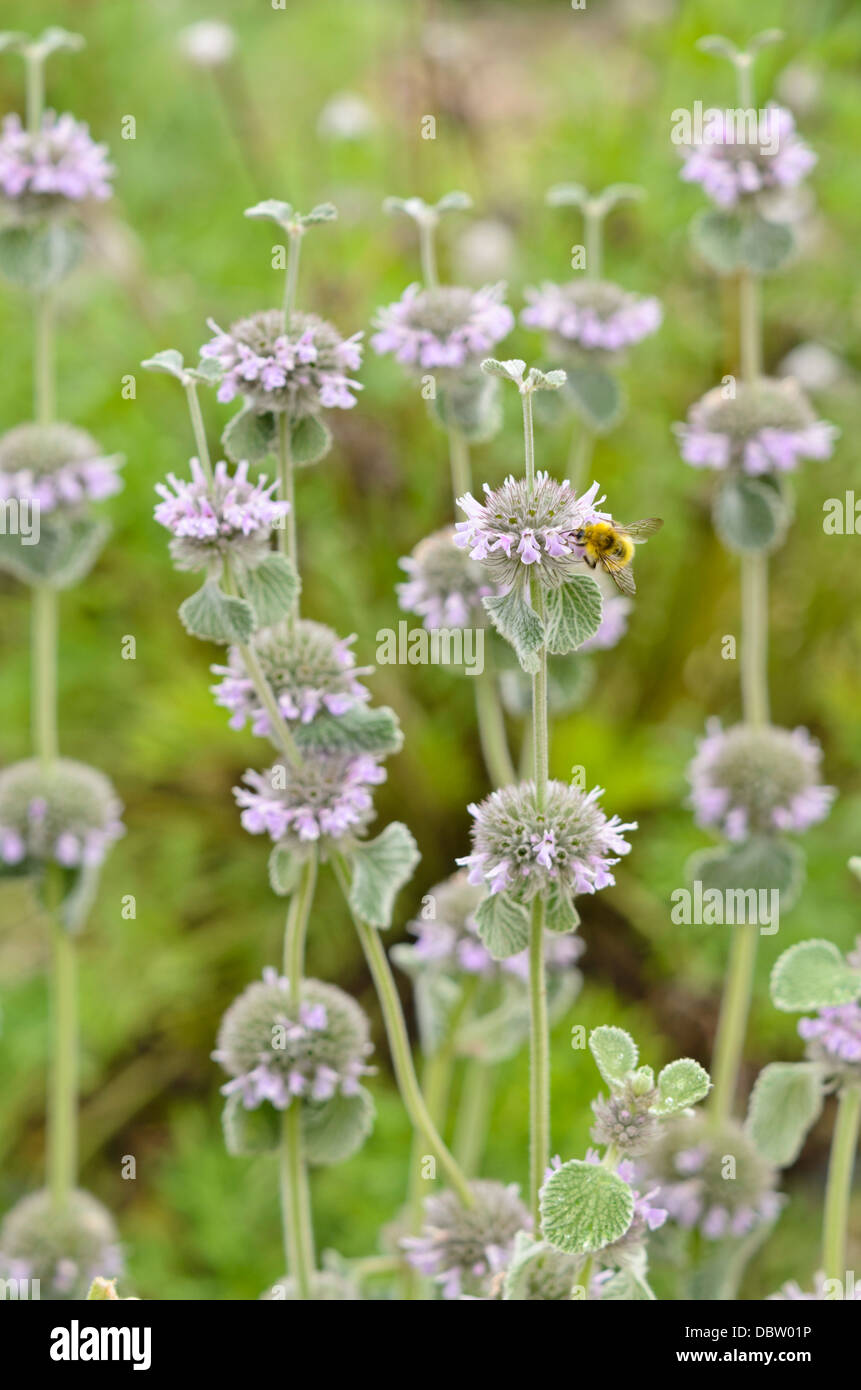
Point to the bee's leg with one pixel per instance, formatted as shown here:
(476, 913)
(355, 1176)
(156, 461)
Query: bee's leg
(593, 564)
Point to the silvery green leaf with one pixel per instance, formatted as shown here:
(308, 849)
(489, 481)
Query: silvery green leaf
(169, 361)
(560, 914)
(813, 975)
(761, 863)
(764, 39)
(511, 370)
(381, 867)
(11, 42)
(209, 371)
(215, 616)
(572, 614)
(249, 437)
(585, 1207)
(323, 212)
(563, 195)
(285, 868)
(454, 202)
(596, 395)
(416, 208)
(717, 238)
(680, 1085)
(615, 1053)
(629, 1284)
(765, 246)
(538, 1273)
(503, 925)
(546, 381)
(717, 45)
(471, 406)
(310, 440)
(519, 624)
(273, 210)
(66, 551)
(361, 729)
(40, 255)
(55, 39)
(785, 1103)
(250, 1131)
(335, 1129)
(271, 588)
(436, 998)
(618, 193)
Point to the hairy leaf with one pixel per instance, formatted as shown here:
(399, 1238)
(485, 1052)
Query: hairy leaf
(585, 1207)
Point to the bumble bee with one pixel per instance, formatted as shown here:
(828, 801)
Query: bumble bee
(611, 545)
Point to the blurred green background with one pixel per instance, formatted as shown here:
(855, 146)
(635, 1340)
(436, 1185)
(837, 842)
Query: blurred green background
(525, 95)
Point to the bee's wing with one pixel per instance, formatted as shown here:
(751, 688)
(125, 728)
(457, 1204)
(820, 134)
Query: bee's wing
(641, 530)
(620, 574)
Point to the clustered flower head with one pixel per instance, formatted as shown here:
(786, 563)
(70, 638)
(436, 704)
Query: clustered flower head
(64, 812)
(58, 467)
(310, 671)
(516, 528)
(833, 1038)
(446, 327)
(625, 1120)
(768, 155)
(466, 1249)
(301, 368)
(691, 1166)
(571, 843)
(275, 1051)
(748, 780)
(450, 941)
(327, 796)
(43, 170)
(591, 315)
(444, 586)
(65, 1250)
(766, 426)
(228, 515)
(613, 625)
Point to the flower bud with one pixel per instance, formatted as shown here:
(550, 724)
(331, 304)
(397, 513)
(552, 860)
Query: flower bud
(65, 1249)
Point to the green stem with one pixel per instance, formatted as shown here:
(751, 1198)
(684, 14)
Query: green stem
(593, 227)
(280, 733)
(198, 428)
(44, 620)
(396, 1031)
(841, 1163)
(287, 541)
(427, 250)
(491, 728)
(750, 333)
(540, 736)
(295, 1194)
(539, 1060)
(63, 1099)
(473, 1113)
(754, 638)
(291, 280)
(35, 80)
(528, 440)
(44, 376)
(732, 1023)
(461, 473)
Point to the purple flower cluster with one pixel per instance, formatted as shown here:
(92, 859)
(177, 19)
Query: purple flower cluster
(688, 1168)
(329, 795)
(301, 368)
(765, 427)
(747, 780)
(276, 1051)
(733, 163)
(209, 518)
(444, 586)
(593, 315)
(446, 327)
(449, 941)
(571, 843)
(834, 1035)
(312, 671)
(58, 163)
(57, 467)
(466, 1249)
(517, 527)
(67, 813)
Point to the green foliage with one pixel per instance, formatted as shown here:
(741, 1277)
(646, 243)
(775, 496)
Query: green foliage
(65, 553)
(680, 1085)
(784, 1105)
(310, 440)
(503, 925)
(813, 975)
(381, 867)
(271, 588)
(214, 616)
(250, 435)
(615, 1053)
(572, 614)
(334, 1130)
(749, 515)
(585, 1207)
(763, 863)
(38, 256)
(516, 621)
(596, 396)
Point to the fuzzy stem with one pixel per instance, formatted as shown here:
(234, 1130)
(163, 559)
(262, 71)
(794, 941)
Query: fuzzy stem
(754, 638)
(841, 1163)
(427, 250)
(539, 1060)
(732, 1023)
(280, 733)
(63, 1096)
(198, 428)
(295, 1195)
(44, 615)
(750, 335)
(291, 279)
(461, 473)
(35, 86)
(593, 239)
(399, 1044)
(44, 376)
(540, 736)
(287, 542)
(528, 440)
(473, 1113)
